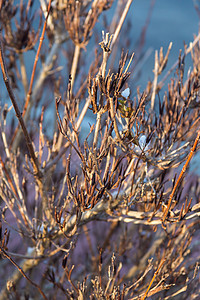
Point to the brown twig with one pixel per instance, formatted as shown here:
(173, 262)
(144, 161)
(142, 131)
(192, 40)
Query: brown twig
(22, 272)
(33, 72)
(154, 276)
(34, 160)
(181, 175)
(187, 51)
(36, 60)
(18, 113)
(8, 178)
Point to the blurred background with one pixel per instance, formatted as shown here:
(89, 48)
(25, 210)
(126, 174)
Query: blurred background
(175, 21)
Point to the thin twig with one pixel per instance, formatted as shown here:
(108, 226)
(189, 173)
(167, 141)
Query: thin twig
(154, 276)
(18, 113)
(36, 60)
(23, 72)
(75, 64)
(114, 120)
(33, 73)
(181, 175)
(187, 51)
(155, 80)
(34, 160)
(97, 128)
(126, 9)
(22, 272)
(8, 178)
(63, 150)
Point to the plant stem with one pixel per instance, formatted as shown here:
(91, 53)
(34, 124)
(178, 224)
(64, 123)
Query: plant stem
(75, 64)
(23, 73)
(155, 80)
(18, 113)
(16, 135)
(126, 9)
(181, 175)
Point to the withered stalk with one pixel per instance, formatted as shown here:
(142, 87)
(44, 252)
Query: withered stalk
(18, 113)
(156, 65)
(32, 74)
(117, 31)
(181, 175)
(36, 60)
(75, 64)
(187, 51)
(154, 276)
(22, 272)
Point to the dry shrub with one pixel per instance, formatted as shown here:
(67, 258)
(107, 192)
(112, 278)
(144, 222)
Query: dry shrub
(105, 211)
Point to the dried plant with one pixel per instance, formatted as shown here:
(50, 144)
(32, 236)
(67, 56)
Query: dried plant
(104, 211)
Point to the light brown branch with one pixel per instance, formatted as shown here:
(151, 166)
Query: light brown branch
(181, 175)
